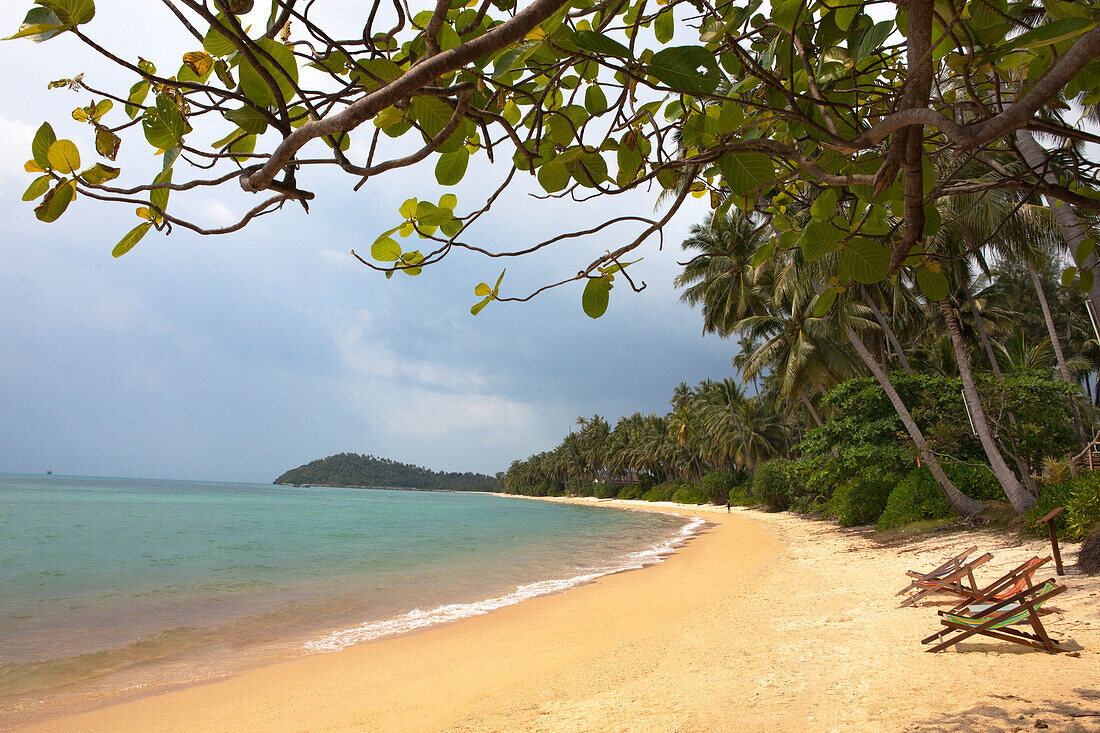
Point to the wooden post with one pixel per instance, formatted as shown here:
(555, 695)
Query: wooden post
(1048, 520)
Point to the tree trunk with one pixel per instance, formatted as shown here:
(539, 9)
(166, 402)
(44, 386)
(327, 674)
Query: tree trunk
(1025, 469)
(810, 406)
(986, 343)
(1020, 498)
(1059, 356)
(961, 503)
(1035, 155)
(886, 329)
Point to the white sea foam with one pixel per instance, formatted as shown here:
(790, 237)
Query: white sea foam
(418, 619)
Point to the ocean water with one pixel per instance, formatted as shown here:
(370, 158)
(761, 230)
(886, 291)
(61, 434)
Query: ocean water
(112, 585)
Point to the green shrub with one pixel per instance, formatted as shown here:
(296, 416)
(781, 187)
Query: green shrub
(770, 484)
(1081, 498)
(739, 496)
(654, 494)
(716, 485)
(667, 489)
(689, 495)
(917, 496)
(631, 492)
(860, 501)
(604, 490)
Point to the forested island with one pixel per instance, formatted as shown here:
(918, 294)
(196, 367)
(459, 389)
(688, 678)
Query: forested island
(358, 471)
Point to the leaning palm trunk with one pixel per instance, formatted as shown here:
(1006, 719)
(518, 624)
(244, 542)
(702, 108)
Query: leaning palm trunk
(886, 329)
(1064, 216)
(959, 501)
(1059, 356)
(1020, 498)
(987, 344)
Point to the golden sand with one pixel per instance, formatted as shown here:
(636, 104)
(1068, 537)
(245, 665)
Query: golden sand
(767, 622)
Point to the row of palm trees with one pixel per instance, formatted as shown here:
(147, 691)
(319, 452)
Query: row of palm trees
(713, 425)
(1005, 310)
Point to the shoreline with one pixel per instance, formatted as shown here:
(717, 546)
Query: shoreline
(764, 622)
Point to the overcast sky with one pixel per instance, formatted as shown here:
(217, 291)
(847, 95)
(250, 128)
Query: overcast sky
(238, 357)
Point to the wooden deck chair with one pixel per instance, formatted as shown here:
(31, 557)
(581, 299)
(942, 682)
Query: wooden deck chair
(959, 581)
(995, 619)
(1009, 584)
(953, 564)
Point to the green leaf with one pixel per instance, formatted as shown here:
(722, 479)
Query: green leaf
(38, 187)
(107, 143)
(138, 92)
(408, 208)
(451, 167)
(431, 113)
(284, 72)
(600, 45)
(664, 26)
(216, 43)
(763, 254)
(745, 172)
(132, 238)
(376, 73)
(818, 239)
(824, 207)
(1086, 280)
(596, 296)
(1083, 250)
(1068, 276)
(1050, 33)
(933, 284)
(40, 146)
(589, 171)
(242, 148)
(64, 156)
(512, 58)
(222, 70)
(70, 12)
(690, 69)
(553, 176)
(496, 287)
(100, 173)
(865, 261)
(249, 119)
(448, 201)
(594, 99)
(873, 39)
(482, 289)
(844, 15)
(163, 124)
(158, 197)
(823, 302)
(56, 201)
(385, 250)
(41, 24)
(479, 306)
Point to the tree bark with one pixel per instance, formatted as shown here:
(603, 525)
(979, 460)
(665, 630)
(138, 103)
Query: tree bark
(959, 501)
(1025, 469)
(810, 406)
(1059, 356)
(1020, 498)
(886, 329)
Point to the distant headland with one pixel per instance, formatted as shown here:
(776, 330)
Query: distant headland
(352, 470)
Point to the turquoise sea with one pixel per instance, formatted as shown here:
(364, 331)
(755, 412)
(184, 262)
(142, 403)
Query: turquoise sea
(112, 585)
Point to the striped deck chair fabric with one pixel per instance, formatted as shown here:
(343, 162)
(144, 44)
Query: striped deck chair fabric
(994, 620)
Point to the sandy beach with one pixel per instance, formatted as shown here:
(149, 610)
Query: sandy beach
(766, 622)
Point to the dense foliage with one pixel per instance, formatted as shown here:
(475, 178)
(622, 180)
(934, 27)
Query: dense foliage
(1081, 498)
(352, 469)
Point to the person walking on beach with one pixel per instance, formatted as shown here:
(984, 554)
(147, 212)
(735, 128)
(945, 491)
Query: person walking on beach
(727, 505)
